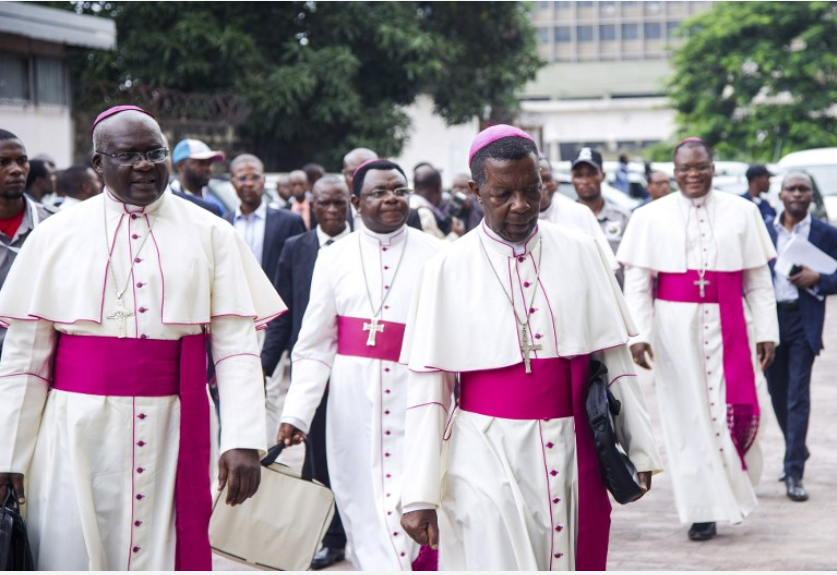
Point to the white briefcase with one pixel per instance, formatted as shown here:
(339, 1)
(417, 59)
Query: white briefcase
(282, 526)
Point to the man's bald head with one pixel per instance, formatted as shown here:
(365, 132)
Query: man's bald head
(352, 162)
(139, 182)
(246, 159)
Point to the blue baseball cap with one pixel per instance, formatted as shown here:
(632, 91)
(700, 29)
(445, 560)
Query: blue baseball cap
(195, 150)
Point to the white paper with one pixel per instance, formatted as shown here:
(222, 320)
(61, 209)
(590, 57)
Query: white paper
(801, 252)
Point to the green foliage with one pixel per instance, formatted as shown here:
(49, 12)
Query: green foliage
(757, 79)
(320, 78)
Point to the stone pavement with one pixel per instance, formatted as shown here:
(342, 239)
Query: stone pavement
(780, 535)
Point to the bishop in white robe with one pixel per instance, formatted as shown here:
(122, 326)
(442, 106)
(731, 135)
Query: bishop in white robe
(91, 415)
(698, 252)
(504, 474)
(352, 333)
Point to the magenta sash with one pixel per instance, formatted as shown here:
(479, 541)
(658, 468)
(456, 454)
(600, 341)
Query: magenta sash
(557, 387)
(351, 339)
(153, 368)
(725, 289)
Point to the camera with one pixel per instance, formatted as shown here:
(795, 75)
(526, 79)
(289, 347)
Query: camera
(457, 203)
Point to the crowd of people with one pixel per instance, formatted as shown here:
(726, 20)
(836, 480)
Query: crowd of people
(439, 343)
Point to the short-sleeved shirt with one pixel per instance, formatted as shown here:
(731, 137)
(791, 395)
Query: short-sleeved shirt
(614, 220)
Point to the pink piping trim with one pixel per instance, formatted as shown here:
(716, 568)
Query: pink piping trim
(133, 466)
(235, 355)
(620, 377)
(428, 404)
(549, 305)
(131, 259)
(549, 499)
(312, 359)
(27, 374)
(526, 309)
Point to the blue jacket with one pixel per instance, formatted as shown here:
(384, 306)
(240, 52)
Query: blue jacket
(767, 211)
(824, 237)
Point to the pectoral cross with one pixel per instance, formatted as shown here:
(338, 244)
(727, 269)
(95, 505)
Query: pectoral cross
(120, 316)
(702, 283)
(373, 328)
(527, 349)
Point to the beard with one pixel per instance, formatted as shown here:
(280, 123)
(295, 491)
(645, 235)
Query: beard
(11, 195)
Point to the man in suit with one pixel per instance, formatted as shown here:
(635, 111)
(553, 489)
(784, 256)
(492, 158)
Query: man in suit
(758, 183)
(296, 268)
(265, 231)
(801, 309)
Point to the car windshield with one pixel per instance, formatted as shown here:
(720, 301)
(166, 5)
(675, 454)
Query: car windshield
(825, 175)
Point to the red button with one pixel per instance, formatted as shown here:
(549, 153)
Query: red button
(386, 267)
(386, 369)
(137, 523)
(389, 475)
(550, 445)
(134, 216)
(395, 533)
(386, 307)
(386, 454)
(389, 494)
(143, 336)
(387, 432)
(538, 336)
(526, 284)
(403, 554)
(142, 416)
(140, 284)
(141, 443)
(386, 287)
(135, 549)
(140, 496)
(143, 309)
(532, 310)
(553, 473)
(137, 260)
(140, 469)
(559, 528)
(556, 500)
(389, 512)
(384, 249)
(558, 555)
(386, 391)
(521, 259)
(135, 236)
(386, 412)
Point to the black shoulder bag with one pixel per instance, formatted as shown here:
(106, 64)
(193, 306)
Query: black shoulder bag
(15, 554)
(619, 474)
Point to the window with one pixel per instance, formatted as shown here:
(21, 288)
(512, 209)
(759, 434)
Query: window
(14, 78)
(563, 34)
(50, 81)
(607, 32)
(607, 9)
(543, 35)
(653, 31)
(630, 31)
(672, 29)
(584, 33)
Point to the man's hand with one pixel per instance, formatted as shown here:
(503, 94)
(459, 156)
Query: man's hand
(644, 482)
(805, 279)
(766, 351)
(243, 470)
(458, 227)
(422, 526)
(639, 351)
(15, 481)
(289, 435)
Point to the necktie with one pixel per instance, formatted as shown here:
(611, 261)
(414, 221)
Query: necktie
(329, 242)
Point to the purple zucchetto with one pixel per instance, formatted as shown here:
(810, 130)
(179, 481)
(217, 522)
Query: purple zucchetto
(117, 110)
(494, 133)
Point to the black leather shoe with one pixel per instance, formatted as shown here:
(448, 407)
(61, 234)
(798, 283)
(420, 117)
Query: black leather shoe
(795, 490)
(326, 557)
(702, 531)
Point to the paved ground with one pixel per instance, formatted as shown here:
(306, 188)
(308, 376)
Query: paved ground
(779, 535)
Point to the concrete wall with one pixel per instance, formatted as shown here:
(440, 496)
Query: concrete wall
(43, 130)
(431, 140)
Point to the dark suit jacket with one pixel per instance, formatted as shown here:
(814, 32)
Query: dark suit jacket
(293, 282)
(824, 237)
(201, 202)
(279, 225)
(767, 211)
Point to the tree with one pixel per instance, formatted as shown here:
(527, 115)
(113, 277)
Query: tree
(757, 79)
(318, 78)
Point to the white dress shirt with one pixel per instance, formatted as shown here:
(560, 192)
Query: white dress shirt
(785, 290)
(251, 228)
(323, 237)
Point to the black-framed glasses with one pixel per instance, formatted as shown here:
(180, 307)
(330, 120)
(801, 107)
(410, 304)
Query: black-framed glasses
(381, 193)
(699, 169)
(248, 177)
(133, 158)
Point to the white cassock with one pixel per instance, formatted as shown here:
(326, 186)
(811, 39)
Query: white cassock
(565, 212)
(101, 469)
(723, 233)
(366, 396)
(507, 488)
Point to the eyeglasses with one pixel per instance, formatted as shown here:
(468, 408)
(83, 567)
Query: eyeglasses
(134, 158)
(250, 177)
(699, 169)
(380, 193)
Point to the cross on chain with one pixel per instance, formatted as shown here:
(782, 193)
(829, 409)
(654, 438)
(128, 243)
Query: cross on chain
(527, 349)
(373, 328)
(120, 316)
(702, 283)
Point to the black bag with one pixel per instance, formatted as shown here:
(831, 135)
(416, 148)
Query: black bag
(619, 474)
(15, 554)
